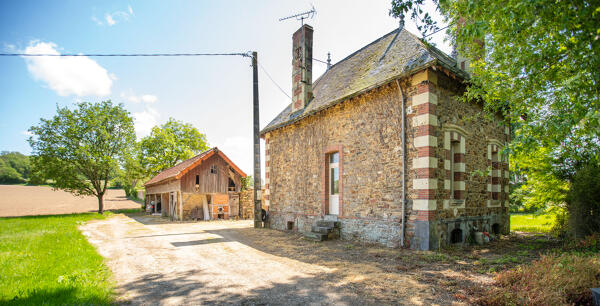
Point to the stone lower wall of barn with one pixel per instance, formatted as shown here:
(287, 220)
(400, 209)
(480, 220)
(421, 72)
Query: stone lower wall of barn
(384, 232)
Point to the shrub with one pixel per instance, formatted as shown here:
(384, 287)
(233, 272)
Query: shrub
(583, 202)
(558, 279)
(590, 243)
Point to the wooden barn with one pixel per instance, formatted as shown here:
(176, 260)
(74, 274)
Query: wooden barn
(204, 187)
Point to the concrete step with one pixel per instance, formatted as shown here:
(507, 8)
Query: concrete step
(315, 236)
(320, 229)
(329, 224)
(330, 217)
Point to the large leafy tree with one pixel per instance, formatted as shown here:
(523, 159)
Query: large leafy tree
(80, 149)
(131, 172)
(170, 144)
(537, 62)
(14, 167)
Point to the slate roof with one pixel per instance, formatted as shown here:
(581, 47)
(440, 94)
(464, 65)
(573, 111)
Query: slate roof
(180, 169)
(396, 54)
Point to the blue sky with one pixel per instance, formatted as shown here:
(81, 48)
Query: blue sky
(212, 93)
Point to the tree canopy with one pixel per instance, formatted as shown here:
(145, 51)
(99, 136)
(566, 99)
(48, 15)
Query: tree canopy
(536, 62)
(170, 144)
(14, 168)
(80, 149)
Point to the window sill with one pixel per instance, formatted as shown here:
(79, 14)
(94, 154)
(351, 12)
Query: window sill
(454, 203)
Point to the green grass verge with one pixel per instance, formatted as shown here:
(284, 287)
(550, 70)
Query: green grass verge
(46, 260)
(531, 223)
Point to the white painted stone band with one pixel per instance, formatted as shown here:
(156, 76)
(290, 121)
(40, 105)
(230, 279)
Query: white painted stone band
(425, 141)
(424, 205)
(425, 162)
(425, 183)
(426, 97)
(425, 119)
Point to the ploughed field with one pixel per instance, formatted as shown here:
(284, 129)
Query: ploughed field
(16, 200)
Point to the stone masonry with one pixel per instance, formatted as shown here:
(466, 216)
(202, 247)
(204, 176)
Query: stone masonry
(456, 175)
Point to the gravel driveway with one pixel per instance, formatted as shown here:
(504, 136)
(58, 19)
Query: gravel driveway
(154, 261)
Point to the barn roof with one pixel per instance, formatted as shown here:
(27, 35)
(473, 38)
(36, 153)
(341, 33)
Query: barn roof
(396, 54)
(177, 171)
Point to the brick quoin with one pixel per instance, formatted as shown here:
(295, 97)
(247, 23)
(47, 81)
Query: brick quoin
(426, 172)
(425, 130)
(426, 194)
(423, 87)
(425, 215)
(426, 151)
(425, 108)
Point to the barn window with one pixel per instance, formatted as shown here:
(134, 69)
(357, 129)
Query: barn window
(197, 179)
(231, 185)
(213, 169)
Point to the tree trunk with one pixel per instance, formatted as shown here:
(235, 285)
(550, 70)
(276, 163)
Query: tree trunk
(101, 203)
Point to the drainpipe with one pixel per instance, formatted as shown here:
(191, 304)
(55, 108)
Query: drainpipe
(403, 162)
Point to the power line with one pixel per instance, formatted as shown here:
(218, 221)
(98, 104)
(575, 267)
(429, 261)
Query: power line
(272, 80)
(244, 54)
(436, 31)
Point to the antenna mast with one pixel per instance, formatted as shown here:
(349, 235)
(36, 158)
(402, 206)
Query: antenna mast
(301, 16)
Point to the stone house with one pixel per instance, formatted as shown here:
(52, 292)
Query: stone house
(382, 144)
(204, 187)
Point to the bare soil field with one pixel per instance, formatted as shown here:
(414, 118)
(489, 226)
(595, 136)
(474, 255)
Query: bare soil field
(155, 261)
(16, 200)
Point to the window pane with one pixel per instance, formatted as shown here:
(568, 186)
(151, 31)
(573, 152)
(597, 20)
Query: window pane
(334, 180)
(333, 158)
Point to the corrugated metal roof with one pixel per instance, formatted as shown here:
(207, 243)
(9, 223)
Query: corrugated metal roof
(395, 54)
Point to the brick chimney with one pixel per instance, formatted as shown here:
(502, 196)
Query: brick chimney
(302, 67)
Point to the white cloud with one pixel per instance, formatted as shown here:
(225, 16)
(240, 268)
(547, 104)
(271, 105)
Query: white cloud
(115, 17)
(80, 76)
(144, 121)
(149, 98)
(109, 20)
(27, 133)
(129, 96)
(97, 21)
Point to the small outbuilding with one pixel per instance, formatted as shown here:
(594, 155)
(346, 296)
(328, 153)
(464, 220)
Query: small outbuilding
(204, 187)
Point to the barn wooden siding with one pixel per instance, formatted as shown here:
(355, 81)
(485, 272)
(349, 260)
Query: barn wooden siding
(210, 182)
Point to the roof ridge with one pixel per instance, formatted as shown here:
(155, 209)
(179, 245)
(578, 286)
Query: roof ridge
(181, 162)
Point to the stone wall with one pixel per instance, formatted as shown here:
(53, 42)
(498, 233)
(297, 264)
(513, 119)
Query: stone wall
(454, 176)
(366, 130)
(247, 203)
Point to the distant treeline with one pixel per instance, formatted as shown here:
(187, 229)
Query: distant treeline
(15, 168)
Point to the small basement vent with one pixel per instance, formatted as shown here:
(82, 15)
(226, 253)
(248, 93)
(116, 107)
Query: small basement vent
(456, 236)
(496, 229)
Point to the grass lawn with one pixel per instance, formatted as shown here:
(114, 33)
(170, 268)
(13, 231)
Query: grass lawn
(46, 260)
(531, 223)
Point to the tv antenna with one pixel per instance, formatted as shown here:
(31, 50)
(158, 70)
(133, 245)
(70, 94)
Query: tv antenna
(301, 16)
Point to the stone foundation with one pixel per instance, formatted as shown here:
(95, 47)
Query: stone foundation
(382, 232)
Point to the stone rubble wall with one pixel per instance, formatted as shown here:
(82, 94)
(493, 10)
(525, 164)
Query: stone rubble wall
(367, 131)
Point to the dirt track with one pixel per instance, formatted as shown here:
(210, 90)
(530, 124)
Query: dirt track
(18, 200)
(155, 262)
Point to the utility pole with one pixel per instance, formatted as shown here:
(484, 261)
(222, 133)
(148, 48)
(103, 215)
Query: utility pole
(257, 185)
